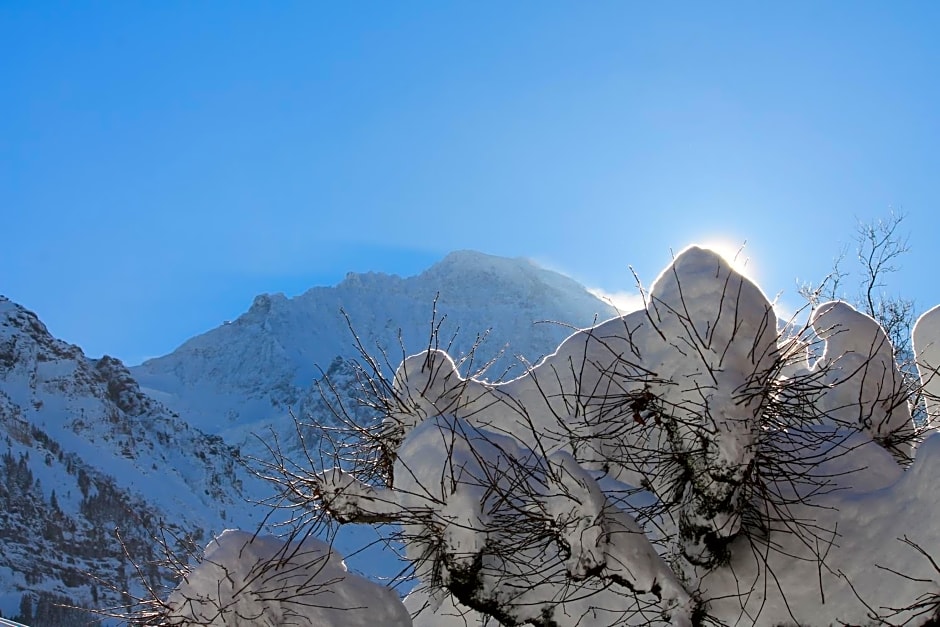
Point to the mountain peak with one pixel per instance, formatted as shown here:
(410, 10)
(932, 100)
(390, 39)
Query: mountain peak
(270, 355)
(470, 260)
(17, 315)
(108, 456)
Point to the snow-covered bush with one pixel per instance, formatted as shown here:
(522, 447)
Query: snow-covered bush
(693, 462)
(256, 580)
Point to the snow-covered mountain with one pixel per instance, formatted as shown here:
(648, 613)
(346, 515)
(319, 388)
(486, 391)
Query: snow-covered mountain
(84, 453)
(245, 375)
(85, 449)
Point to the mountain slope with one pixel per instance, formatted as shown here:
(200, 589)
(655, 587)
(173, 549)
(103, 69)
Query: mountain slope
(84, 452)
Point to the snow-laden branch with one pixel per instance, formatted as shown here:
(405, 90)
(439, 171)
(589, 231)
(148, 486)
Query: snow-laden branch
(505, 528)
(863, 384)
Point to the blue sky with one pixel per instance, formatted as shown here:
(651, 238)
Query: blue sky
(163, 162)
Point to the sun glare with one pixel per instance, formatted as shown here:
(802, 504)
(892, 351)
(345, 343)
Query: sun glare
(734, 253)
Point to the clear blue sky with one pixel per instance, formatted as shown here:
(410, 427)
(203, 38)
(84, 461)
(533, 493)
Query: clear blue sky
(163, 162)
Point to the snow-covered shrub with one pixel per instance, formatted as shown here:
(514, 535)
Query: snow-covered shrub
(245, 579)
(687, 463)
